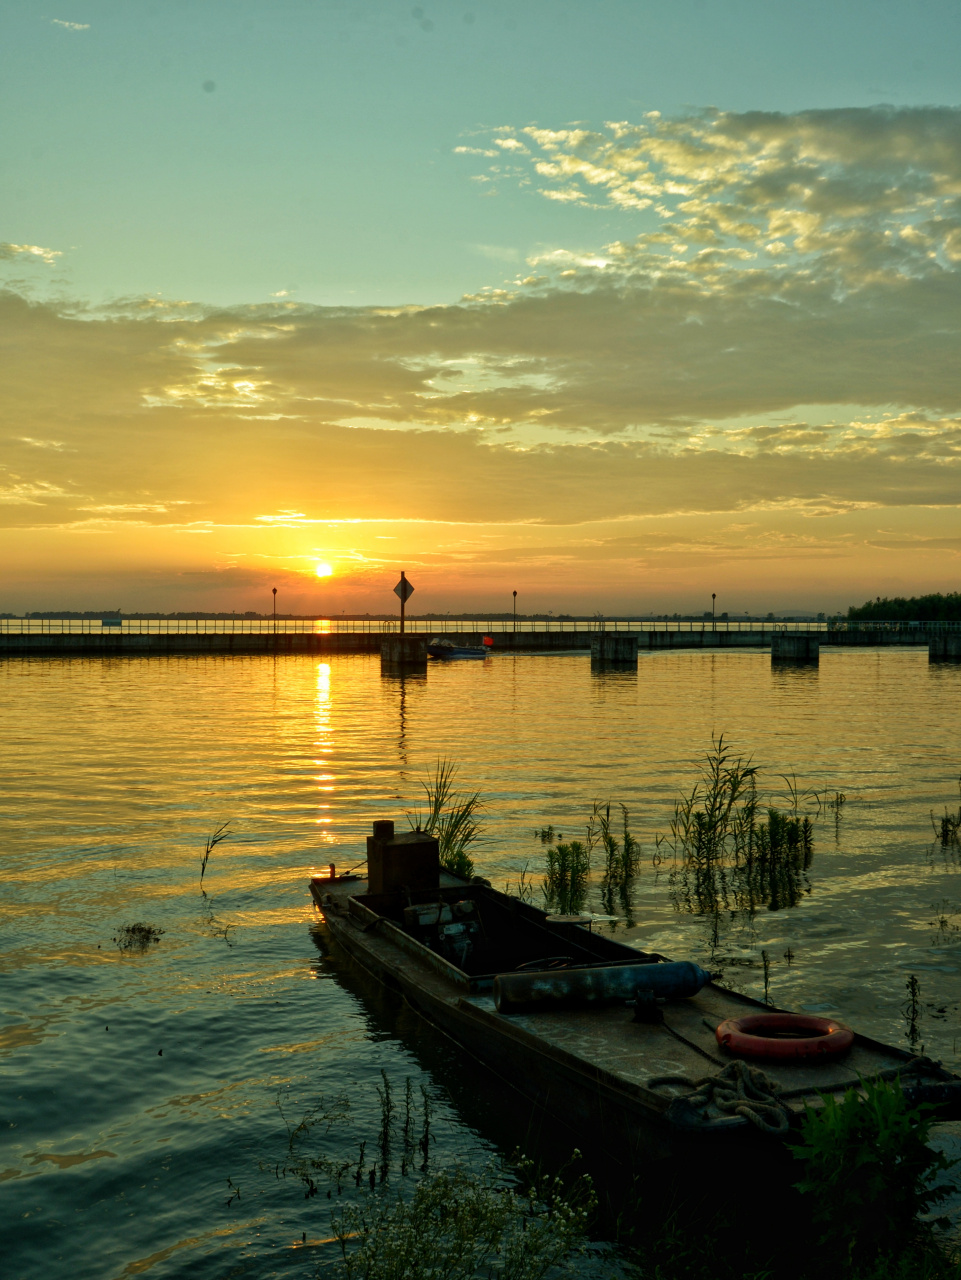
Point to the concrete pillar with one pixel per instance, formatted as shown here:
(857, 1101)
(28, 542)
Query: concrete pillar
(403, 655)
(794, 648)
(608, 649)
(945, 646)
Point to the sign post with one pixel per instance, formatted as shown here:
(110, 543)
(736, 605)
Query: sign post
(403, 591)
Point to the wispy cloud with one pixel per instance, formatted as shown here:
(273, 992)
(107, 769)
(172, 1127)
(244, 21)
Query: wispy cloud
(56, 445)
(28, 252)
(70, 26)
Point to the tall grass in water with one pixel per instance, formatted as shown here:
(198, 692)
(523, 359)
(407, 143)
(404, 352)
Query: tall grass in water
(725, 856)
(622, 857)
(568, 874)
(948, 827)
(451, 817)
(210, 844)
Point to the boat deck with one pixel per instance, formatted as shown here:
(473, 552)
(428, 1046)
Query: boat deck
(590, 1047)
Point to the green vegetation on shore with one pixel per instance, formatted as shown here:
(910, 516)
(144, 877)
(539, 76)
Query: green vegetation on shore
(932, 608)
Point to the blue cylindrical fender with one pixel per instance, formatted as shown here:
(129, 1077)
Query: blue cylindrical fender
(566, 988)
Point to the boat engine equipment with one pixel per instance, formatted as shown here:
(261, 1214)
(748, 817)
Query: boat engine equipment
(784, 1037)
(447, 927)
(523, 992)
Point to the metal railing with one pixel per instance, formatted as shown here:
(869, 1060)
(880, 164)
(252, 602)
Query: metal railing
(432, 626)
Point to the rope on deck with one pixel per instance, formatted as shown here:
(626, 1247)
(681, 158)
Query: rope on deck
(738, 1090)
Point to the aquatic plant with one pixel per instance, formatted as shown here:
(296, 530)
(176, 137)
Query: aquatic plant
(137, 937)
(547, 835)
(725, 856)
(913, 1011)
(947, 828)
(869, 1174)
(778, 855)
(211, 843)
(568, 873)
(310, 1166)
(459, 1224)
(452, 818)
(622, 856)
(522, 888)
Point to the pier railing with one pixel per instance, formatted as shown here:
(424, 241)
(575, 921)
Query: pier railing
(434, 626)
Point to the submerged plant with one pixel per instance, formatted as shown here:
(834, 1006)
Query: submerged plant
(869, 1174)
(452, 818)
(568, 873)
(137, 937)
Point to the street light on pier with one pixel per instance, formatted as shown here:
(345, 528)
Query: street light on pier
(515, 610)
(713, 621)
(275, 610)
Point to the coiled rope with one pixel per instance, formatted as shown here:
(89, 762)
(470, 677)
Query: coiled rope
(738, 1090)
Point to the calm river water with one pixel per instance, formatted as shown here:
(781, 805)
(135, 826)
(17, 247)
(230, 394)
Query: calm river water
(147, 1098)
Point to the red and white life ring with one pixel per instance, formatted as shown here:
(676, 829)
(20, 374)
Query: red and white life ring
(784, 1037)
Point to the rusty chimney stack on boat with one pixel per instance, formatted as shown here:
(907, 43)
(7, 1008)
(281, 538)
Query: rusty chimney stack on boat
(409, 861)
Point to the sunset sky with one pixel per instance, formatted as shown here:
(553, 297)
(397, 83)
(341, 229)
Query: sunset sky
(617, 304)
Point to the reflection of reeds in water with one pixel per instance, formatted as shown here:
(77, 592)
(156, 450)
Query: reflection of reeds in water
(568, 873)
(724, 857)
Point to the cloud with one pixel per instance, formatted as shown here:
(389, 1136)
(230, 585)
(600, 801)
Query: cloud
(28, 253)
(779, 340)
(30, 493)
(70, 26)
(57, 445)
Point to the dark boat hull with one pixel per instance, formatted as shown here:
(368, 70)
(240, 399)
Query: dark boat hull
(447, 651)
(555, 1061)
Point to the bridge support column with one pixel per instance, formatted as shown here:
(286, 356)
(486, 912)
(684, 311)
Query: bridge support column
(795, 648)
(403, 656)
(608, 649)
(945, 647)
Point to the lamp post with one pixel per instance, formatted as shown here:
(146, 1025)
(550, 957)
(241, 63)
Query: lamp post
(515, 610)
(713, 622)
(275, 610)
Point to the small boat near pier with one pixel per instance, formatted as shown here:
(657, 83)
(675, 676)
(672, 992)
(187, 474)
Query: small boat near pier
(442, 647)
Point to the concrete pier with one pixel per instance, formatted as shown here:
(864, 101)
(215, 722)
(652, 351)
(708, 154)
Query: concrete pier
(795, 648)
(116, 643)
(403, 655)
(611, 649)
(945, 647)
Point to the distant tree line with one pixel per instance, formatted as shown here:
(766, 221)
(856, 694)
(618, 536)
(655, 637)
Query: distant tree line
(933, 608)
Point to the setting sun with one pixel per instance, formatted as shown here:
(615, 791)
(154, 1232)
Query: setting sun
(323, 570)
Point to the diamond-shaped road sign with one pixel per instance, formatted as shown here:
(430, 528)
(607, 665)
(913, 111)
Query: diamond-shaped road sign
(403, 589)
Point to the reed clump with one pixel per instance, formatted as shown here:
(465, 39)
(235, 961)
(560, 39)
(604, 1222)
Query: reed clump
(622, 856)
(947, 828)
(726, 855)
(567, 878)
(453, 818)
